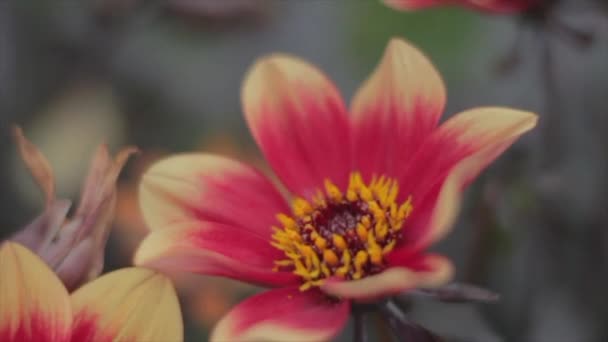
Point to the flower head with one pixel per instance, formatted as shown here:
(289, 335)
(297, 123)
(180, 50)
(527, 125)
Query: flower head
(370, 192)
(131, 304)
(342, 234)
(73, 248)
(491, 6)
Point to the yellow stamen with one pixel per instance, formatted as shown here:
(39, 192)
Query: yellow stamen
(345, 268)
(378, 213)
(351, 195)
(301, 207)
(360, 261)
(325, 270)
(375, 254)
(361, 231)
(392, 194)
(305, 286)
(330, 257)
(287, 222)
(367, 216)
(339, 242)
(366, 221)
(381, 230)
(389, 247)
(366, 194)
(316, 266)
(332, 191)
(319, 199)
(321, 243)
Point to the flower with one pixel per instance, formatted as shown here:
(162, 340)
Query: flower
(74, 248)
(491, 6)
(371, 191)
(131, 304)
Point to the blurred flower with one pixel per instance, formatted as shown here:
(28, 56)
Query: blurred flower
(131, 304)
(371, 193)
(72, 248)
(219, 10)
(86, 111)
(491, 6)
(203, 11)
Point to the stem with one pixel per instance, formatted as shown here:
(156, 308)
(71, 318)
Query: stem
(483, 222)
(403, 329)
(581, 38)
(360, 329)
(395, 317)
(395, 311)
(551, 129)
(512, 58)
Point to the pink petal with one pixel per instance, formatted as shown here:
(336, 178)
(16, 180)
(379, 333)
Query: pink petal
(396, 109)
(500, 6)
(208, 188)
(422, 271)
(491, 6)
(413, 4)
(215, 249)
(298, 119)
(283, 315)
(466, 144)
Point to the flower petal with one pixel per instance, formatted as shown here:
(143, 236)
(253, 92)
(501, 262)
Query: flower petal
(396, 109)
(491, 6)
(432, 270)
(388, 282)
(37, 164)
(131, 304)
(283, 315)
(204, 187)
(451, 158)
(216, 249)
(34, 305)
(299, 120)
(413, 4)
(423, 271)
(44, 228)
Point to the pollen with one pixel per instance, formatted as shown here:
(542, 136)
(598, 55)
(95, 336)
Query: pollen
(341, 234)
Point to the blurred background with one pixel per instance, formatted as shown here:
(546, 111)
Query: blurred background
(165, 76)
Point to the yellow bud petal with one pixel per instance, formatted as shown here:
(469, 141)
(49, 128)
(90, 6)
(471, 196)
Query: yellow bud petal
(332, 191)
(330, 257)
(351, 195)
(366, 194)
(301, 207)
(375, 254)
(361, 232)
(287, 222)
(321, 243)
(389, 247)
(305, 286)
(360, 260)
(339, 242)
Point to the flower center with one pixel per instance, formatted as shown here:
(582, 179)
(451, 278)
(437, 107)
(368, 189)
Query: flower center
(341, 234)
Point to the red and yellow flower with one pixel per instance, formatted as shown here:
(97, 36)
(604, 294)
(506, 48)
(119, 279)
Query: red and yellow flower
(131, 304)
(370, 192)
(491, 6)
